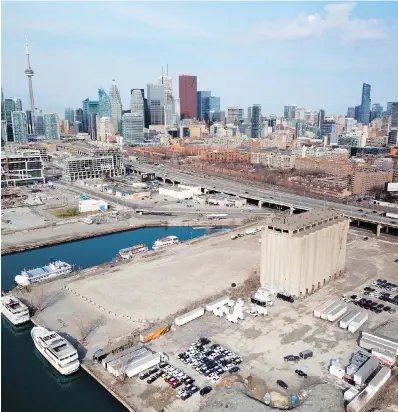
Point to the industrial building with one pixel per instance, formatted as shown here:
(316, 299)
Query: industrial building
(92, 205)
(180, 192)
(302, 252)
(105, 163)
(22, 168)
(220, 200)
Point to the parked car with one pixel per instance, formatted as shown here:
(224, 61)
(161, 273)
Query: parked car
(282, 384)
(151, 379)
(144, 375)
(301, 373)
(290, 358)
(205, 390)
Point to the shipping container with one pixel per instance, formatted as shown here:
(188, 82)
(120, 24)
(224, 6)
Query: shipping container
(365, 371)
(217, 303)
(113, 356)
(117, 366)
(154, 333)
(350, 394)
(348, 318)
(370, 344)
(380, 379)
(358, 322)
(306, 354)
(386, 342)
(337, 371)
(384, 357)
(319, 309)
(138, 367)
(187, 317)
(336, 313)
(325, 312)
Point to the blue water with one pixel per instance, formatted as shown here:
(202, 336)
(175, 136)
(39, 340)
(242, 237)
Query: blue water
(28, 382)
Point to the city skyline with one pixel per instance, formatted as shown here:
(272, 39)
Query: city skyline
(283, 74)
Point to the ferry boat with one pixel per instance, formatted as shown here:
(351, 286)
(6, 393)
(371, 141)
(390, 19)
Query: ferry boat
(133, 250)
(53, 269)
(56, 349)
(14, 310)
(165, 242)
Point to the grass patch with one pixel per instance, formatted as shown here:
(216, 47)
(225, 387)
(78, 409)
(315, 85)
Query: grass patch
(65, 212)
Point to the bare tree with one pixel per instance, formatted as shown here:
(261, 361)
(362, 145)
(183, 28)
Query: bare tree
(85, 327)
(121, 371)
(38, 299)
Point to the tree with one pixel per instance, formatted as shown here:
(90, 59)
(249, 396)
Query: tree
(85, 327)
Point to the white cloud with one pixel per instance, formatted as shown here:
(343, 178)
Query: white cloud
(337, 21)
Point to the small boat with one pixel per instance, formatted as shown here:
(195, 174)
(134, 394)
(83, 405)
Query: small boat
(56, 349)
(129, 252)
(14, 310)
(165, 242)
(52, 270)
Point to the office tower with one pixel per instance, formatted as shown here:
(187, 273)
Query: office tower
(18, 104)
(256, 121)
(309, 116)
(30, 119)
(389, 105)
(89, 106)
(51, 126)
(234, 115)
(177, 110)
(70, 115)
(222, 117)
(351, 112)
(349, 124)
(137, 102)
(357, 113)
(155, 93)
(365, 104)
(321, 117)
(290, 111)
(328, 130)
(64, 127)
(377, 109)
(104, 104)
(116, 107)
(92, 126)
(29, 73)
(19, 126)
(200, 97)
(249, 114)
(394, 114)
(79, 115)
(39, 123)
(300, 113)
(133, 129)
(393, 137)
(212, 109)
(272, 124)
(188, 96)
(104, 128)
(9, 107)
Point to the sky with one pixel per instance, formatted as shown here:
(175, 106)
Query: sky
(315, 55)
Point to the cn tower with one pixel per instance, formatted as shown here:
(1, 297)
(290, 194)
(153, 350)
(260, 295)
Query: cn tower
(29, 72)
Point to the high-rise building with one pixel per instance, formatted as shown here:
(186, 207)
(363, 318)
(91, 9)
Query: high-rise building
(18, 104)
(249, 114)
(104, 104)
(256, 121)
(136, 105)
(9, 107)
(116, 107)
(79, 116)
(19, 126)
(30, 119)
(212, 109)
(290, 111)
(188, 96)
(300, 113)
(133, 129)
(89, 106)
(393, 137)
(51, 126)
(200, 97)
(377, 110)
(351, 112)
(365, 104)
(29, 73)
(70, 115)
(104, 128)
(64, 127)
(389, 105)
(92, 126)
(321, 117)
(357, 113)
(328, 130)
(3, 109)
(156, 94)
(234, 115)
(394, 114)
(177, 110)
(39, 123)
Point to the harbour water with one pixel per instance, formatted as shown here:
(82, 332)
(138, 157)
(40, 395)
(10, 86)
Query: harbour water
(28, 381)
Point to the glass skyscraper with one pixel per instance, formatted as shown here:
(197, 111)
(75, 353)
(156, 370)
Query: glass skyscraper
(256, 121)
(116, 107)
(51, 126)
(70, 115)
(201, 96)
(39, 123)
(19, 126)
(89, 106)
(156, 94)
(365, 104)
(9, 107)
(104, 104)
(329, 129)
(133, 129)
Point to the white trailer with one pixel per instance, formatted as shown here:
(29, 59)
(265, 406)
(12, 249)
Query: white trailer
(138, 367)
(370, 344)
(318, 310)
(350, 394)
(116, 367)
(358, 322)
(363, 373)
(380, 379)
(348, 318)
(218, 312)
(188, 317)
(262, 311)
(382, 341)
(232, 318)
(336, 313)
(325, 313)
(385, 358)
(217, 303)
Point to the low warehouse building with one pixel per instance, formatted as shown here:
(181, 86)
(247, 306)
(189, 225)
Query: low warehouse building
(303, 269)
(180, 192)
(92, 205)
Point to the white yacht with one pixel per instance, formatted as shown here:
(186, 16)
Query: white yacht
(52, 270)
(14, 310)
(128, 252)
(165, 242)
(57, 350)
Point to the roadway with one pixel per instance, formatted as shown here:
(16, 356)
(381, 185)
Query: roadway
(264, 195)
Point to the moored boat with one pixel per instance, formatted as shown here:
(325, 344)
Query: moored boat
(129, 252)
(165, 242)
(53, 269)
(14, 310)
